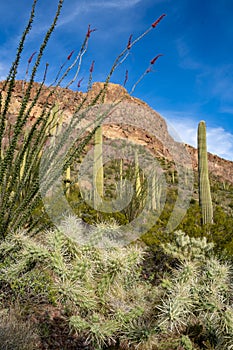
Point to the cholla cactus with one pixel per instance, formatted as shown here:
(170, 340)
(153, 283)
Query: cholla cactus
(97, 330)
(199, 292)
(188, 248)
(84, 279)
(104, 295)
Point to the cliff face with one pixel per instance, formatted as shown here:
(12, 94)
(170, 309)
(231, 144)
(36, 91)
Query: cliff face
(129, 118)
(219, 167)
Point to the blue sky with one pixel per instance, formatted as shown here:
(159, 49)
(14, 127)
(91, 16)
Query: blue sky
(193, 81)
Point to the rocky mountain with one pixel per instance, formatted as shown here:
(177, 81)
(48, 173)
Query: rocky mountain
(128, 118)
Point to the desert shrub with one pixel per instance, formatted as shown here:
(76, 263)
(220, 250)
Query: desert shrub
(191, 223)
(221, 233)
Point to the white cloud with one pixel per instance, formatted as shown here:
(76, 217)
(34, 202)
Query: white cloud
(220, 142)
(212, 81)
(217, 82)
(226, 109)
(223, 82)
(3, 71)
(186, 59)
(184, 129)
(120, 4)
(84, 7)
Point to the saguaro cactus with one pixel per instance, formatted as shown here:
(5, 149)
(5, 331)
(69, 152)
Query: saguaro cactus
(68, 180)
(138, 187)
(205, 200)
(156, 190)
(121, 178)
(98, 174)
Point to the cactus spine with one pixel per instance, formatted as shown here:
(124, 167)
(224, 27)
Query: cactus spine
(205, 200)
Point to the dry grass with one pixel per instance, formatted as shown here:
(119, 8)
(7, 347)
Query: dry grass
(16, 333)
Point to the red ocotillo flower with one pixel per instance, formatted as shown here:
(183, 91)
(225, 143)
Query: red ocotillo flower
(126, 77)
(89, 31)
(69, 56)
(155, 59)
(158, 20)
(148, 70)
(79, 83)
(92, 66)
(31, 57)
(129, 42)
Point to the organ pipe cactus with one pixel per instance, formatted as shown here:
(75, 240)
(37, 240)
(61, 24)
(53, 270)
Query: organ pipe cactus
(205, 200)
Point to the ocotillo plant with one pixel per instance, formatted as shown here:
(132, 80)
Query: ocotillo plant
(29, 164)
(205, 200)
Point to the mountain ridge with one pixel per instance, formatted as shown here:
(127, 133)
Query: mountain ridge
(156, 142)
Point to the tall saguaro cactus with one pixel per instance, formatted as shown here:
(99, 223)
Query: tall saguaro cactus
(156, 190)
(68, 180)
(138, 187)
(98, 174)
(205, 200)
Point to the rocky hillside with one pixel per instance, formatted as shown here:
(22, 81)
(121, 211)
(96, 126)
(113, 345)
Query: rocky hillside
(129, 118)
